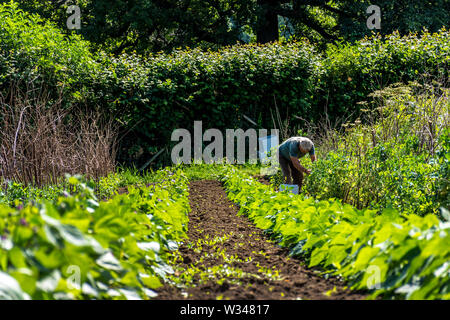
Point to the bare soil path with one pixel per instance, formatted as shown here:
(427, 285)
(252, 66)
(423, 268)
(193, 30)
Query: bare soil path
(227, 257)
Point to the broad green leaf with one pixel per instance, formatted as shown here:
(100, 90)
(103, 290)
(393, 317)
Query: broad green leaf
(50, 282)
(109, 262)
(17, 258)
(26, 280)
(364, 256)
(149, 281)
(146, 246)
(130, 294)
(10, 289)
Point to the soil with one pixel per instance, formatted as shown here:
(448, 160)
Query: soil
(240, 262)
(122, 190)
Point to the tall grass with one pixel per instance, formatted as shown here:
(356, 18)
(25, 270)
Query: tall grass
(40, 141)
(395, 155)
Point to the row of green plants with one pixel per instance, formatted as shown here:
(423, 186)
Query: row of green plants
(77, 247)
(17, 194)
(152, 95)
(398, 158)
(390, 254)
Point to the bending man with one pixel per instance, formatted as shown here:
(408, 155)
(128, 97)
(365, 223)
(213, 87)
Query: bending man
(289, 153)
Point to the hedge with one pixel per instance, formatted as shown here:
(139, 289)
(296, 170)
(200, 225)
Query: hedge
(352, 71)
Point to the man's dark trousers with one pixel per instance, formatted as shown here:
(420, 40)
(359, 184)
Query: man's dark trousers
(289, 171)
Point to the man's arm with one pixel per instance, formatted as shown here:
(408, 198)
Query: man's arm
(298, 166)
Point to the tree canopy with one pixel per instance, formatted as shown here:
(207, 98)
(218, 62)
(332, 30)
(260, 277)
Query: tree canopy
(155, 25)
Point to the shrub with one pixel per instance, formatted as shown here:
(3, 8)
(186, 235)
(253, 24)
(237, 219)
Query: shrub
(398, 159)
(34, 52)
(354, 70)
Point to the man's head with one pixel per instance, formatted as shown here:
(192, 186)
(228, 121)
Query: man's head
(305, 145)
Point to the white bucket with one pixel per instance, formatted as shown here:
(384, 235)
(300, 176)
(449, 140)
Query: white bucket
(290, 187)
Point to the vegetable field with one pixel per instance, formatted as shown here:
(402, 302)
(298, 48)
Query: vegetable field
(145, 148)
(76, 247)
(232, 237)
(408, 254)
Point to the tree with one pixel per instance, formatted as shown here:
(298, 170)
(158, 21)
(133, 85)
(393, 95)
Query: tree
(300, 13)
(396, 15)
(347, 18)
(154, 25)
(267, 28)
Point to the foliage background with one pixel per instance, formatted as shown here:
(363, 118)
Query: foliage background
(152, 95)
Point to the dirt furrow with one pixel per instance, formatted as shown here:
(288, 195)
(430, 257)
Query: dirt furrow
(227, 257)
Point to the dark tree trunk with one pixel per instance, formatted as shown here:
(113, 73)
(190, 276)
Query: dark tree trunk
(267, 22)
